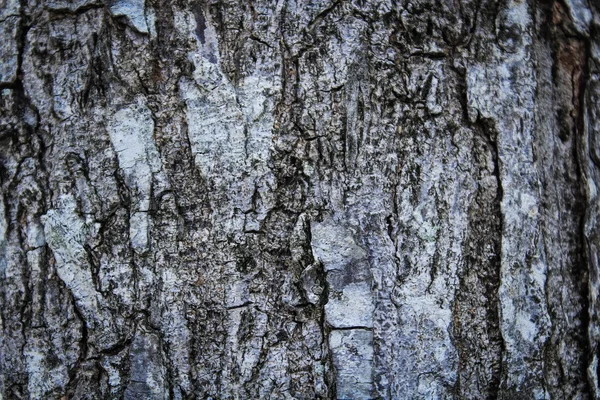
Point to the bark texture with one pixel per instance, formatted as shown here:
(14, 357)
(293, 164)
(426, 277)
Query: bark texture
(227, 199)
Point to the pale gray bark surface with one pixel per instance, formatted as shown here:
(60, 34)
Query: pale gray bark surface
(299, 199)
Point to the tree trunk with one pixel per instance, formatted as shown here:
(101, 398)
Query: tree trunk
(299, 199)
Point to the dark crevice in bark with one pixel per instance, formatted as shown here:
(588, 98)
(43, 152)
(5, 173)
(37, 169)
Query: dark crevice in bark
(585, 345)
(480, 278)
(351, 328)
(65, 11)
(17, 226)
(322, 15)
(246, 304)
(493, 293)
(571, 57)
(83, 345)
(326, 353)
(164, 351)
(586, 315)
(117, 347)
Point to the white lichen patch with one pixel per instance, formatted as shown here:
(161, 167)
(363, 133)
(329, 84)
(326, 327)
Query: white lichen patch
(41, 378)
(135, 12)
(9, 52)
(508, 78)
(66, 234)
(35, 234)
(334, 245)
(215, 129)
(529, 205)
(432, 97)
(245, 352)
(230, 127)
(131, 130)
(353, 360)
(352, 308)
(215, 122)
(147, 376)
(580, 14)
(350, 305)
(237, 294)
(3, 227)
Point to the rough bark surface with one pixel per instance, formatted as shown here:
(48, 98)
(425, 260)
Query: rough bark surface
(299, 199)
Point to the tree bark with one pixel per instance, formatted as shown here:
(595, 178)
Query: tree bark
(299, 199)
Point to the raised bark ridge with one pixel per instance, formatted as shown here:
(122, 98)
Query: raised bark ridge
(299, 199)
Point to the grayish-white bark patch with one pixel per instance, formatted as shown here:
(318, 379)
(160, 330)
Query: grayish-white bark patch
(299, 199)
